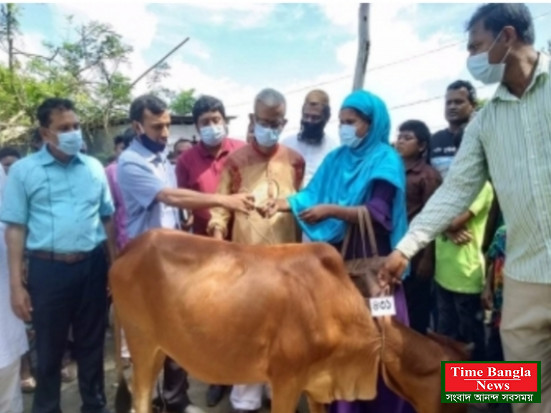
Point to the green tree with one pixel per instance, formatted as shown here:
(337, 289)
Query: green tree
(84, 67)
(183, 102)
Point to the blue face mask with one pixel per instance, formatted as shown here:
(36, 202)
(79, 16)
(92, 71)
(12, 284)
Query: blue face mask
(212, 135)
(348, 136)
(267, 137)
(151, 145)
(70, 143)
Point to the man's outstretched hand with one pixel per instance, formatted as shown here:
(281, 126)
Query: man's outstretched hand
(393, 269)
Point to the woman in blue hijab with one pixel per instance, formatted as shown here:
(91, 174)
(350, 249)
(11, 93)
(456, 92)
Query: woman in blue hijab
(364, 172)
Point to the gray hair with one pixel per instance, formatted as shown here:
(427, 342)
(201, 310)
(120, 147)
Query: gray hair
(270, 97)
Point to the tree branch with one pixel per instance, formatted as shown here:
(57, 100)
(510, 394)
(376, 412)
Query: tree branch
(49, 59)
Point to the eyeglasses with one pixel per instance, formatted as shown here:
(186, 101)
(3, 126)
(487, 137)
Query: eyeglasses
(270, 124)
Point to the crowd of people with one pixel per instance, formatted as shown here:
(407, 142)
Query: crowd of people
(432, 197)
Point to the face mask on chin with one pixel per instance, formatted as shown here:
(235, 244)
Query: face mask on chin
(150, 144)
(312, 131)
(481, 69)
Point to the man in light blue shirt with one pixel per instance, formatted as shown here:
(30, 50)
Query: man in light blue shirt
(151, 198)
(58, 207)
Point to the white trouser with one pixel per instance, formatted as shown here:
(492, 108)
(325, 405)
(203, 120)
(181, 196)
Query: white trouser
(11, 400)
(248, 396)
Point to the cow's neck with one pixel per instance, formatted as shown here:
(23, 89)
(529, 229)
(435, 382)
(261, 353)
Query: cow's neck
(353, 368)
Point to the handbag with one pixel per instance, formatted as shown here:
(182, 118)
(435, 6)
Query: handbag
(363, 270)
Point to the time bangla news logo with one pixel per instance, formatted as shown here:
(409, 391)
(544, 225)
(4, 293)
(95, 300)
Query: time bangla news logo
(491, 382)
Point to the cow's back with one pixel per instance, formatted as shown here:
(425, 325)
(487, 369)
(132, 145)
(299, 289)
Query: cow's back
(249, 308)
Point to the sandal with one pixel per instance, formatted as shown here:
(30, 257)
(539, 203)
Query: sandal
(28, 385)
(68, 373)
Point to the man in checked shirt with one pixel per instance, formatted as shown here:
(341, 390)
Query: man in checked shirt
(509, 143)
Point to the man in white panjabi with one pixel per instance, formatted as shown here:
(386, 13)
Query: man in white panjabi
(312, 142)
(13, 340)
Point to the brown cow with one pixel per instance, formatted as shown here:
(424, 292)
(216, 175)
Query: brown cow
(288, 315)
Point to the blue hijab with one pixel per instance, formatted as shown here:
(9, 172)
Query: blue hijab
(347, 174)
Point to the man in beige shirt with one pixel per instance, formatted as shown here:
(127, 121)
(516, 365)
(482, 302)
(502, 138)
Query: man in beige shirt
(268, 170)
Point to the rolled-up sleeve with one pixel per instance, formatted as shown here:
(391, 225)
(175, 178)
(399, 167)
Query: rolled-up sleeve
(466, 177)
(140, 183)
(15, 202)
(220, 217)
(380, 204)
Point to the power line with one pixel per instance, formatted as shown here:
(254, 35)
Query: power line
(349, 76)
(383, 66)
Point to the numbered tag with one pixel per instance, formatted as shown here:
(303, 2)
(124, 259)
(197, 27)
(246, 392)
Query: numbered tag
(381, 306)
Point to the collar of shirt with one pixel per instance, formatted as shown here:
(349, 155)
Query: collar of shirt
(541, 71)
(224, 150)
(46, 158)
(141, 150)
(416, 167)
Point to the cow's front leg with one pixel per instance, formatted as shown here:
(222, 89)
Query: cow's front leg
(147, 361)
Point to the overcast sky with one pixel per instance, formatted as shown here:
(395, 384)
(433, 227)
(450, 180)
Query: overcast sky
(237, 49)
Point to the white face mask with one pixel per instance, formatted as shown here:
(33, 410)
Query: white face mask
(481, 69)
(212, 135)
(347, 133)
(70, 143)
(267, 137)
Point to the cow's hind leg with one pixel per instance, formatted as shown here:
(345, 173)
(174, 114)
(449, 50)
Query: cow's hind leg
(147, 360)
(285, 395)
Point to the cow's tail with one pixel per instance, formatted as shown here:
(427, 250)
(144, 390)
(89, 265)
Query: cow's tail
(123, 398)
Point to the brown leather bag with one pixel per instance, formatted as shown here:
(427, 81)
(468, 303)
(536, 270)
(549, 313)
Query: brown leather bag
(363, 270)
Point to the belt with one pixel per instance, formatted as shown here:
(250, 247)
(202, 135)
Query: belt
(70, 258)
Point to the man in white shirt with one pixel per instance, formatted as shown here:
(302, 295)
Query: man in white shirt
(13, 340)
(312, 142)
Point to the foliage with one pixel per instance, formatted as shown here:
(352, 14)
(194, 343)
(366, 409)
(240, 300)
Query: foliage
(85, 67)
(183, 102)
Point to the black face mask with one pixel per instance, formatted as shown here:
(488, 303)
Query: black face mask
(312, 131)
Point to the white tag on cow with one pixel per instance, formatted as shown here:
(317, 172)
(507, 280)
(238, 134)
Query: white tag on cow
(381, 306)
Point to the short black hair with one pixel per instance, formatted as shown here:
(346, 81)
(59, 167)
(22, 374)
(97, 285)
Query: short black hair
(207, 104)
(419, 129)
(44, 111)
(150, 102)
(496, 16)
(458, 84)
(9, 151)
(124, 138)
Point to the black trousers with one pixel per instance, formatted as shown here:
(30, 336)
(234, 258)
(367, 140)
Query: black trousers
(173, 398)
(419, 298)
(461, 317)
(62, 296)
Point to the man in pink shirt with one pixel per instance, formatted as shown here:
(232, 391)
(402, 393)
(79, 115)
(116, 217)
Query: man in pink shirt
(121, 143)
(199, 168)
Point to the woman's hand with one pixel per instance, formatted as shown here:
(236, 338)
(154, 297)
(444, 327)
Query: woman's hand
(272, 206)
(315, 214)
